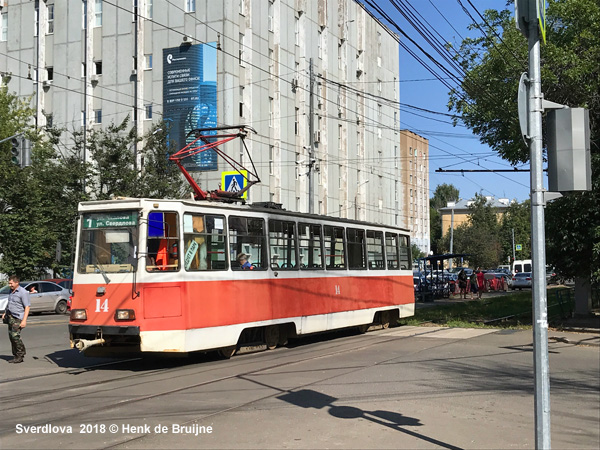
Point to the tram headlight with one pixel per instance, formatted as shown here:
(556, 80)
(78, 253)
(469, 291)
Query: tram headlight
(78, 314)
(125, 314)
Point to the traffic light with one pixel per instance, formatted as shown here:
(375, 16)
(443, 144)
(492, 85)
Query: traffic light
(16, 151)
(20, 151)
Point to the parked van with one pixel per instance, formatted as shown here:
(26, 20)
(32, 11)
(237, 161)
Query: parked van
(523, 265)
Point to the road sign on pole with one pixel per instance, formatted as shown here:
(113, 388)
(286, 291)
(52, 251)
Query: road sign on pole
(235, 181)
(518, 247)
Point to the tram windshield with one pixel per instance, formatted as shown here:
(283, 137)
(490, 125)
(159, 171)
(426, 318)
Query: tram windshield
(108, 242)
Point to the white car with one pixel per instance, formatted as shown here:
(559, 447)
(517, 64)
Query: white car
(48, 297)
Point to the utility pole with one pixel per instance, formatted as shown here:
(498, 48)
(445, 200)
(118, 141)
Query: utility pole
(528, 14)
(513, 244)
(311, 138)
(451, 237)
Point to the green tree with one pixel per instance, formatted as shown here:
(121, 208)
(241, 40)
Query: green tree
(479, 236)
(518, 218)
(570, 75)
(443, 194)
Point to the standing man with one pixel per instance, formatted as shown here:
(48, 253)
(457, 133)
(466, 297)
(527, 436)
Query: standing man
(15, 316)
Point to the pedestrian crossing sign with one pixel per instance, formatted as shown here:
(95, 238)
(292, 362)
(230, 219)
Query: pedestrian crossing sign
(234, 181)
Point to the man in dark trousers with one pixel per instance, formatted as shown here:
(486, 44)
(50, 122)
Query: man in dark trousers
(15, 316)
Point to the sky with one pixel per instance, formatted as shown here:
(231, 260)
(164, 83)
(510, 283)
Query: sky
(450, 147)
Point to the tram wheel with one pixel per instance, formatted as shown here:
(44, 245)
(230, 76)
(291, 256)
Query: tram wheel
(272, 336)
(384, 319)
(227, 352)
(362, 329)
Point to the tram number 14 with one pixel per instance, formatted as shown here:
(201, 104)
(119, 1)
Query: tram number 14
(101, 306)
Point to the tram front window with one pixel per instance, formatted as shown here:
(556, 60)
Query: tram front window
(108, 242)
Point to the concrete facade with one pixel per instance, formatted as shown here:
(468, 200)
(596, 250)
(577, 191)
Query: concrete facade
(90, 63)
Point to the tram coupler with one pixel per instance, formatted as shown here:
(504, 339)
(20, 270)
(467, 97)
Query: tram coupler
(82, 344)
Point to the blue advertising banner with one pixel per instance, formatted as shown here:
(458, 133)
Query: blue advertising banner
(190, 98)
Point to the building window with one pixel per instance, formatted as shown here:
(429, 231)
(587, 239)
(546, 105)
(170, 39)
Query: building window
(50, 73)
(83, 70)
(83, 118)
(190, 6)
(270, 16)
(49, 121)
(148, 111)
(271, 113)
(97, 13)
(241, 50)
(50, 19)
(148, 61)
(84, 14)
(97, 67)
(271, 159)
(296, 121)
(36, 19)
(320, 44)
(149, 9)
(97, 116)
(4, 27)
(297, 30)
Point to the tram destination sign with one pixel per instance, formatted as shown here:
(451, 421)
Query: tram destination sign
(110, 220)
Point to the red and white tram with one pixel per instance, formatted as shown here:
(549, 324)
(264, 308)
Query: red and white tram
(162, 276)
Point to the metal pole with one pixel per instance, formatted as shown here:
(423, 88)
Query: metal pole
(311, 181)
(451, 238)
(538, 253)
(513, 244)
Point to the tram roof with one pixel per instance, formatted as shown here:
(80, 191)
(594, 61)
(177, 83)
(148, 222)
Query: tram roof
(262, 207)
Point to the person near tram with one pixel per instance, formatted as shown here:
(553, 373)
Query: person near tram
(242, 258)
(462, 283)
(15, 316)
(473, 284)
(480, 282)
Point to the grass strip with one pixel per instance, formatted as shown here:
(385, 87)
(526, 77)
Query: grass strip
(508, 311)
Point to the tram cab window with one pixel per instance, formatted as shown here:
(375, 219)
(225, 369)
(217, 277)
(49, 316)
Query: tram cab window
(204, 242)
(162, 253)
(310, 246)
(356, 248)
(109, 242)
(375, 250)
(282, 244)
(405, 260)
(333, 238)
(391, 251)
(247, 235)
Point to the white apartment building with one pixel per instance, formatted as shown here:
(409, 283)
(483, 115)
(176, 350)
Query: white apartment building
(92, 62)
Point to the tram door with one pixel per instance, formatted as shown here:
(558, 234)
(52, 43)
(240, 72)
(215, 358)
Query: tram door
(163, 297)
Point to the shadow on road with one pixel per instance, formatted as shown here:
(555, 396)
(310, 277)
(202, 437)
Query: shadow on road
(307, 398)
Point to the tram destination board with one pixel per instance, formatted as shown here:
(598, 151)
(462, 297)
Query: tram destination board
(109, 220)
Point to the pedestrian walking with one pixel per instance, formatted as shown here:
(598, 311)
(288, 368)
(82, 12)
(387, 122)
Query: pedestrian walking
(480, 282)
(15, 316)
(462, 283)
(473, 283)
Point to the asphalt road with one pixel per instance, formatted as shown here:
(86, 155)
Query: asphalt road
(405, 387)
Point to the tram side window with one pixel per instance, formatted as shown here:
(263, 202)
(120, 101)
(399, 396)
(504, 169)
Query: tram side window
(391, 251)
(333, 238)
(282, 244)
(405, 262)
(163, 242)
(204, 237)
(375, 250)
(247, 235)
(309, 241)
(356, 248)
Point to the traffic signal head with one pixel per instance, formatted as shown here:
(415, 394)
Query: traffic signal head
(16, 150)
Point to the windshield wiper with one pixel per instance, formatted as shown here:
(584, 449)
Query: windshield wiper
(103, 273)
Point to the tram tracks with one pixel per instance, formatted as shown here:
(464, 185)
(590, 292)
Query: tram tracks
(76, 395)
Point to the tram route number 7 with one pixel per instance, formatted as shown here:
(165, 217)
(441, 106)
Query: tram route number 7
(101, 306)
